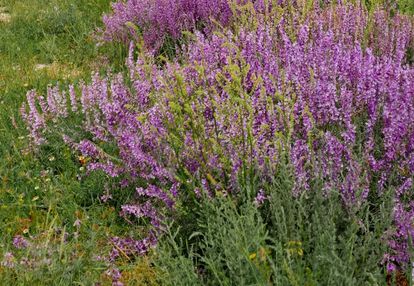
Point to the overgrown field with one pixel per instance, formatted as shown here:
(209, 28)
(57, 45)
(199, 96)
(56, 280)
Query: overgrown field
(206, 142)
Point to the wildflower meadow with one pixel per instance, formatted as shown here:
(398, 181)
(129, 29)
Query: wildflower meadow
(207, 142)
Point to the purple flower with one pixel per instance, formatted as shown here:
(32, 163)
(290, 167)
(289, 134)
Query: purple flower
(260, 198)
(9, 260)
(162, 19)
(20, 242)
(115, 275)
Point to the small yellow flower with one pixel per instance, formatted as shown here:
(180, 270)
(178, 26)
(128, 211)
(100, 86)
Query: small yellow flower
(262, 253)
(82, 160)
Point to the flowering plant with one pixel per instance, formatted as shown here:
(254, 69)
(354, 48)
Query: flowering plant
(328, 89)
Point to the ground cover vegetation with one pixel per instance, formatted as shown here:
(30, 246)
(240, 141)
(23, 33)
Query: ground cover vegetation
(207, 142)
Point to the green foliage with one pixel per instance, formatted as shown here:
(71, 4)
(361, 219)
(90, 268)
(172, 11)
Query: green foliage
(406, 6)
(312, 240)
(216, 255)
(339, 247)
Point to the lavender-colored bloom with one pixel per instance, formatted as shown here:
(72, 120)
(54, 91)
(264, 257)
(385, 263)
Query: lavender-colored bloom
(73, 99)
(27, 262)
(155, 192)
(115, 275)
(132, 246)
(77, 223)
(20, 242)
(260, 198)
(9, 260)
(105, 198)
(162, 19)
(146, 210)
(87, 148)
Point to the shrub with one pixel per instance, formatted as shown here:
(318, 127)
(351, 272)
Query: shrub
(162, 20)
(328, 89)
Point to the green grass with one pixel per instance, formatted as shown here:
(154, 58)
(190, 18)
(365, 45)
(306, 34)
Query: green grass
(46, 42)
(407, 6)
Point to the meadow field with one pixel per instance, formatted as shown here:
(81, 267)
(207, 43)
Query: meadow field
(206, 142)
